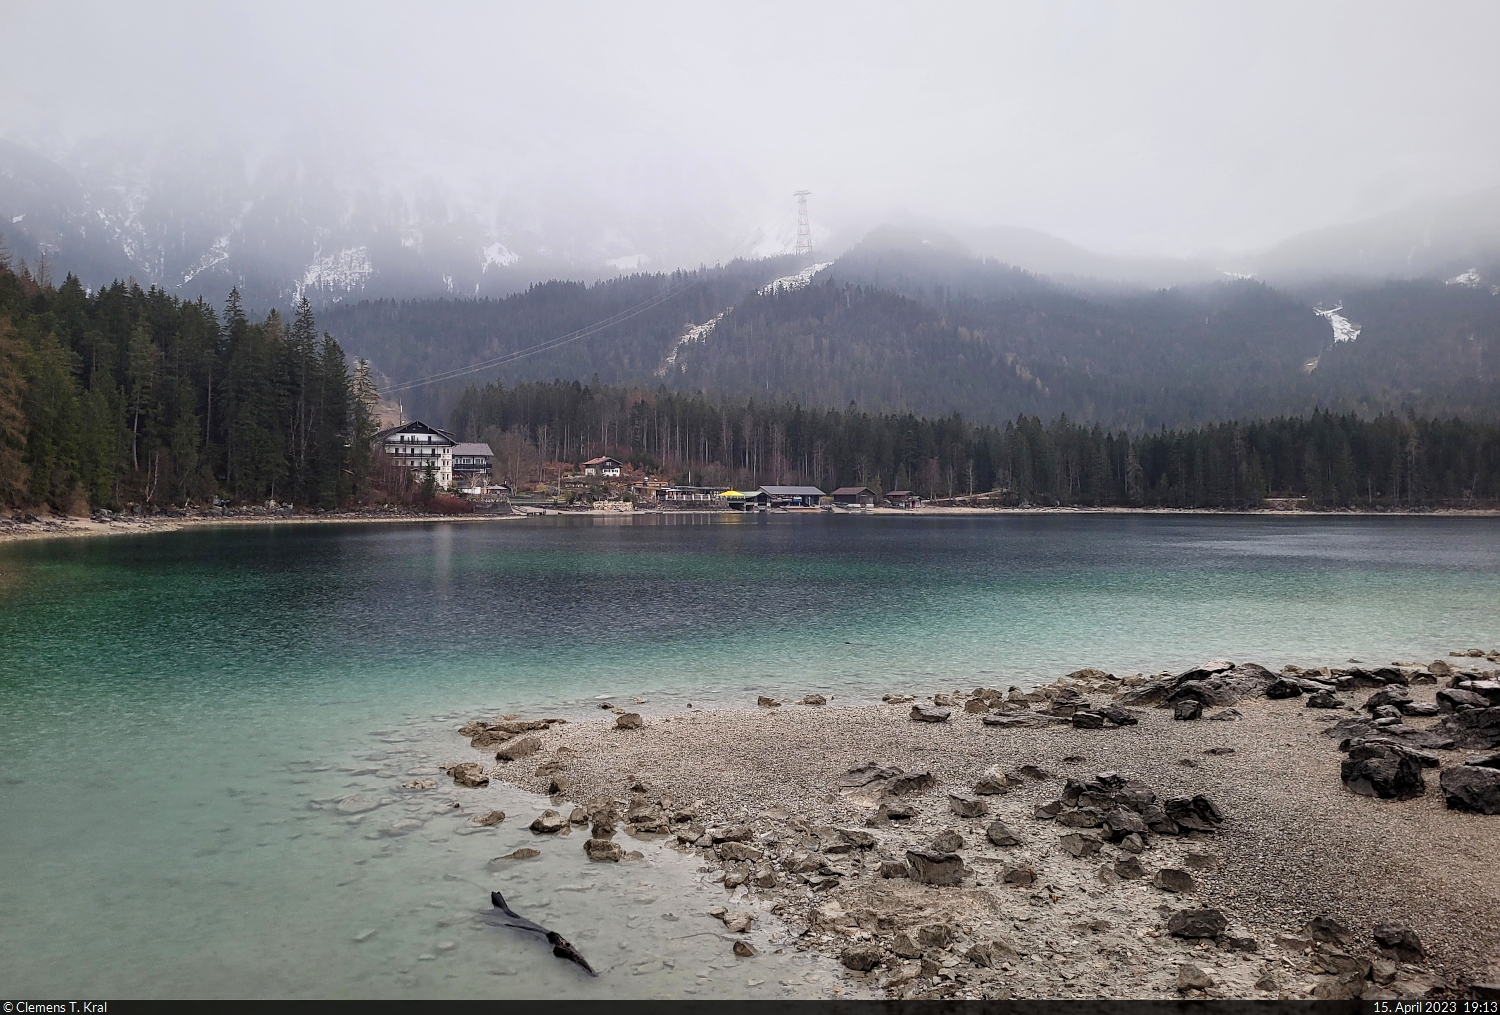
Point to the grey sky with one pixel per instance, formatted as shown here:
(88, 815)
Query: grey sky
(1139, 127)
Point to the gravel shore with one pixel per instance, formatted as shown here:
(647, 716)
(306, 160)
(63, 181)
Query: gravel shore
(1294, 845)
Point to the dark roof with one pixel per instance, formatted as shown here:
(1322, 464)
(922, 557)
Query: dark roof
(602, 460)
(793, 491)
(473, 450)
(852, 491)
(899, 493)
(416, 426)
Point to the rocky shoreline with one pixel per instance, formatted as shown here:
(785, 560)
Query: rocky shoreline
(24, 526)
(1221, 832)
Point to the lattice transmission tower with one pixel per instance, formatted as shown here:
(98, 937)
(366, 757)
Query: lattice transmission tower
(804, 231)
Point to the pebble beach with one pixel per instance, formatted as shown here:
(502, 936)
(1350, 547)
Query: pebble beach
(980, 844)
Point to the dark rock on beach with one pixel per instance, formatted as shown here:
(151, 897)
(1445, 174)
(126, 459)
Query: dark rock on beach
(1452, 699)
(928, 713)
(910, 782)
(966, 806)
(1475, 728)
(1197, 923)
(1399, 941)
(1001, 834)
(930, 867)
(862, 957)
(1283, 688)
(1382, 770)
(1471, 788)
(1394, 694)
(1187, 708)
(1323, 699)
(1170, 880)
(469, 773)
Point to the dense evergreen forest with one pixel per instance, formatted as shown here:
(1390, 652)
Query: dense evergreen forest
(131, 396)
(1335, 461)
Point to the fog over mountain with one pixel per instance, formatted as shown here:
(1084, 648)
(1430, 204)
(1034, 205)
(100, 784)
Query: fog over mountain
(353, 150)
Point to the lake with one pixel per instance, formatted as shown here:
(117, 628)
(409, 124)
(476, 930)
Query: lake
(183, 713)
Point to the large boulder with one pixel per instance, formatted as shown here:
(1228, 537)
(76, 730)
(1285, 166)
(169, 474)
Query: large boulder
(1187, 708)
(1001, 834)
(910, 782)
(1081, 817)
(1487, 689)
(469, 773)
(1382, 770)
(1322, 699)
(739, 851)
(1399, 941)
(1394, 694)
(929, 713)
(993, 781)
(1171, 880)
(862, 956)
(549, 822)
(1283, 688)
(521, 747)
(966, 806)
(1476, 728)
(930, 867)
(1197, 923)
(1453, 699)
(1117, 715)
(604, 849)
(1471, 788)
(1153, 693)
(1122, 821)
(1079, 844)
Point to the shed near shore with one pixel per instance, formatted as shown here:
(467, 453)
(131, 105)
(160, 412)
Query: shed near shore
(849, 496)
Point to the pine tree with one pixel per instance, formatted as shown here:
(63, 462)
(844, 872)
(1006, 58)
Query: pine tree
(140, 381)
(14, 474)
(363, 427)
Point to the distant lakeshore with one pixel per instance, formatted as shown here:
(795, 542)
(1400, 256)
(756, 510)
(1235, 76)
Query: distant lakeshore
(14, 529)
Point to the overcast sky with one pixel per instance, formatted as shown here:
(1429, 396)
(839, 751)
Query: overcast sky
(1135, 127)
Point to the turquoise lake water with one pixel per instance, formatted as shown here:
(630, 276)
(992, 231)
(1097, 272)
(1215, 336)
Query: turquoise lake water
(180, 714)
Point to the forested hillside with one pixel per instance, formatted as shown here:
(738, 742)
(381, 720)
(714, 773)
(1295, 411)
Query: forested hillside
(899, 324)
(132, 396)
(411, 339)
(1332, 460)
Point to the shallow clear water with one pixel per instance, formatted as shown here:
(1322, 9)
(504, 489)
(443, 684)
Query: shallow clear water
(180, 713)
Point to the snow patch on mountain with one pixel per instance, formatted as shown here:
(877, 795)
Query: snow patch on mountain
(695, 333)
(218, 252)
(1344, 330)
(1469, 278)
(797, 281)
(630, 262)
(342, 272)
(1238, 275)
(498, 255)
(17, 218)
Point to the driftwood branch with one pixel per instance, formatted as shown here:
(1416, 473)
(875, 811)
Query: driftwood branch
(560, 946)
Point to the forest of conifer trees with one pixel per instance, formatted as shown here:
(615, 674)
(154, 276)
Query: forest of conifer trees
(134, 397)
(1334, 461)
(127, 397)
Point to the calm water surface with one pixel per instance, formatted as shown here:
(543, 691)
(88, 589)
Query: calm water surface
(181, 714)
